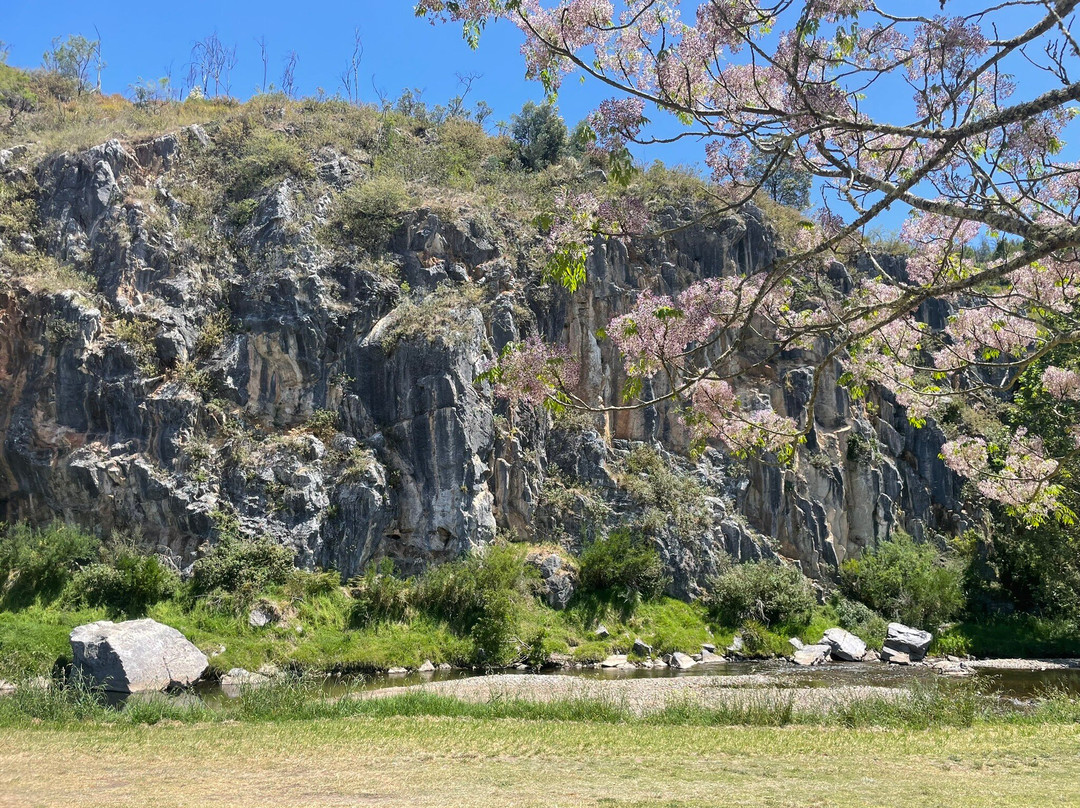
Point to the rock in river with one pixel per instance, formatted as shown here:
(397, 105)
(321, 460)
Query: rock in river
(135, 656)
(903, 639)
(845, 645)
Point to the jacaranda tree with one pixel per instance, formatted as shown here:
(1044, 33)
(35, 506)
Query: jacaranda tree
(913, 105)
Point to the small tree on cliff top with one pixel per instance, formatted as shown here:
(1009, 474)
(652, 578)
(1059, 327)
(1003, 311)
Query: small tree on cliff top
(886, 106)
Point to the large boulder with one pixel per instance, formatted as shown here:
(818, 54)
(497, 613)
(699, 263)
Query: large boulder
(845, 645)
(135, 656)
(811, 654)
(903, 639)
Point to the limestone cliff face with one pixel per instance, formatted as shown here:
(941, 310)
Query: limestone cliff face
(210, 372)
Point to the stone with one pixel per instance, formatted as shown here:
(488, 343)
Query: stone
(912, 641)
(681, 661)
(559, 578)
(642, 648)
(136, 655)
(709, 658)
(845, 645)
(6, 687)
(614, 661)
(262, 616)
(811, 654)
(737, 645)
(397, 671)
(894, 656)
(708, 646)
(445, 666)
(602, 632)
(953, 667)
(795, 643)
(426, 667)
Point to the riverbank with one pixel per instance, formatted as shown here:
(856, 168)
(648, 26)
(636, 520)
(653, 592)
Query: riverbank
(454, 761)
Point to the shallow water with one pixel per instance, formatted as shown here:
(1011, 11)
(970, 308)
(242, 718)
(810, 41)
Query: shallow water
(1012, 684)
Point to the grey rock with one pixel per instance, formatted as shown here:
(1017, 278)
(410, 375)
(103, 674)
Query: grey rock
(708, 646)
(845, 645)
(709, 658)
(397, 671)
(262, 616)
(737, 644)
(795, 643)
(135, 655)
(615, 661)
(681, 661)
(912, 641)
(427, 666)
(602, 632)
(642, 648)
(811, 654)
(895, 656)
(558, 577)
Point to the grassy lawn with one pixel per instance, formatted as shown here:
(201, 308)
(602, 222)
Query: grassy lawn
(509, 762)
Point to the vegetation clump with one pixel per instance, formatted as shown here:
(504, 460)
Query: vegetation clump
(904, 580)
(763, 591)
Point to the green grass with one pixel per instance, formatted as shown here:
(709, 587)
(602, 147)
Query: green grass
(306, 699)
(403, 753)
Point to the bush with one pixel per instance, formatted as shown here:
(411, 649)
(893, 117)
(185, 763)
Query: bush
(624, 565)
(763, 591)
(904, 581)
(240, 566)
(368, 212)
(481, 595)
(378, 596)
(129, 586)
(36, 564)
(265, 157)
(539, 136)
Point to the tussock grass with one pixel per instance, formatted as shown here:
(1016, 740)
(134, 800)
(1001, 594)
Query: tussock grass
(304, 698)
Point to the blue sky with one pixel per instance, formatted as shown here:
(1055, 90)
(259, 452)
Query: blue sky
(141, 40)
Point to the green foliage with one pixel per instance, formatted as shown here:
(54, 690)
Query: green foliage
(75, 58)
(16, 97)
(1012, 636)
(323, 424)
(905, 581)
(378, 596)
(539, 135)
(129, 586)
(261, 157)
(440, 317)
(624, 565)
(36, 564)
(672, 496)
(368, 212)
(482, 595)
(241, 567)
(765, 592)
(860, 620)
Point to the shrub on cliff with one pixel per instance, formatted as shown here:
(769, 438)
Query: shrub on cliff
(368, 212)
(539, 135)
(623, 564)
(764, 592)
(905, 580)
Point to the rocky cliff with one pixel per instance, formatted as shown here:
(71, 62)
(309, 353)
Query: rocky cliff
(173, 367)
